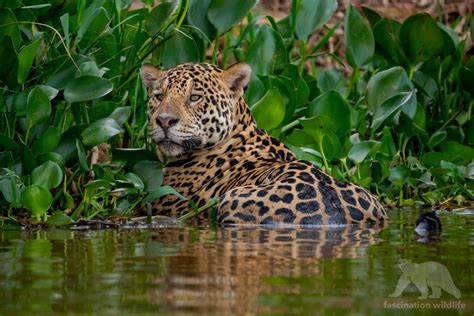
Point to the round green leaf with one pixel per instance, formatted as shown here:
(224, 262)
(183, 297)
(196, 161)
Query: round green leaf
(48, 175)
(151, 173)
(392, 106)
(312, 14)
(180, 48)
(332, 105)
(160, 16)
(100, 131)
(421, 37)
(398, 175)
(317, 126)
(47, 142)
(299, 138)
(59, 219)
(269, 111)
(36, 199)
(38, 106)
(224, 14)
(386, 84)
(361, 150)
(87, 88)
(360, 43)
(268, 52)
(456, 149)
(386, 35)
(437, 138)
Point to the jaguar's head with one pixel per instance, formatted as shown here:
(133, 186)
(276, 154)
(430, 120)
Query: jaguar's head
(192, 106)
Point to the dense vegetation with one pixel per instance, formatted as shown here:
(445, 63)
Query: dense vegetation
(400, 123)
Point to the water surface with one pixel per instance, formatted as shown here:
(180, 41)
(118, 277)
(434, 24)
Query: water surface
(197, 271)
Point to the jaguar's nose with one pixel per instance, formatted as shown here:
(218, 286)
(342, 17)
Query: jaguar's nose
(165, 121)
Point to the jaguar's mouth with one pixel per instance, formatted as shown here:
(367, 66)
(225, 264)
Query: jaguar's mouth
(173, 148)
(166, 142)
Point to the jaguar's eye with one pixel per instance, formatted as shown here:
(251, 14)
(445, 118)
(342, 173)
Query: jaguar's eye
(194, 97)
(159, 96)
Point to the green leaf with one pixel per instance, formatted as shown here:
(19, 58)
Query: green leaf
(50, 91)
(81, 155)
(360, 43)
(47, 142)
(437, 138)
(48, 175)
(317, 126)
(38, 106)
(224, 14)
(332, 105)
(371, 15)
(361, 150)
(415, 125)
(132, 155)
(11, 190)
(151, 173)
(6, 143)
(162, 191)
(433, 159)
(87, 88)
(25, 59)
(385, 85)
(9, 27)
(92, 26)
(398, 175)
(311, 15)
(197, 16)
(135, 180)
(180, 48)
(386, 35)
(269, 111)
(37, 200)
(160, 16)
(457, 149)
(121, 114)
(59, 219)
(100, 131)
(255, 90)
(27, 158)
(299, 137)
(268, 51)
(421, 38)
(331, 79)
(100, 184)
(391, 107)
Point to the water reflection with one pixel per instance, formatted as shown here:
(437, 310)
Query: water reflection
(223, 271)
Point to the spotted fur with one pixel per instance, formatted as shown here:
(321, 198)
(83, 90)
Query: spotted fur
(203, 127)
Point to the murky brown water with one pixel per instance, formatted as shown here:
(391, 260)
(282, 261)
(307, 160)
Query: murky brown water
(238, 271)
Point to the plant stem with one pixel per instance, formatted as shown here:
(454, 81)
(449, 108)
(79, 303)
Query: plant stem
(326, 165)
(193, 213)
(289, 126)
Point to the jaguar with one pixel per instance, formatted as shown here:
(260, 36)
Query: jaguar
(204, 130)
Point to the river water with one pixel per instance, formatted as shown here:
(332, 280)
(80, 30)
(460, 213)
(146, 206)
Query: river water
(240, 271)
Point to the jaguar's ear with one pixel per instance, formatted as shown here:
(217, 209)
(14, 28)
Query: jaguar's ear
(237, 77)
(149, 75)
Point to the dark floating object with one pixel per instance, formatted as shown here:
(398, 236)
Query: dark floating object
(428, 224)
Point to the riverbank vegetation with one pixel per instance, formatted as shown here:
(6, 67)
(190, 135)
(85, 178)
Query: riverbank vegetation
(395, 115)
